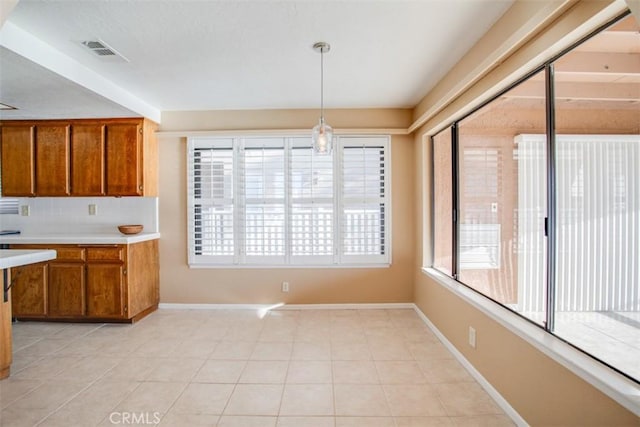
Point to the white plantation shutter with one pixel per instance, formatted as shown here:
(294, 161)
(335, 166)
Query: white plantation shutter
(364, 206)
(273, 201)
(262, 186)
(312, 216)
(211, 202)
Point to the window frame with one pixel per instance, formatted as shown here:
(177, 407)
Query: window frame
(547, 67)
(338, 258)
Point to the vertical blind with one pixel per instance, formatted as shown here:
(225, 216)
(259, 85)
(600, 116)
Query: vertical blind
(273, 201)
(598, 200)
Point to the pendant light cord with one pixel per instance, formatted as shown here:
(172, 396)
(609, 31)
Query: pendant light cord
(322, 84)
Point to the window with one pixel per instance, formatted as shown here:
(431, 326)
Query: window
(536, 198)
(8, 205)
(273, 201)
(443, 202)
(494, 245)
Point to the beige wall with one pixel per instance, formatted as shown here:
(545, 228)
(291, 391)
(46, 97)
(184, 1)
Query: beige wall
(542, 391)
(180, 284)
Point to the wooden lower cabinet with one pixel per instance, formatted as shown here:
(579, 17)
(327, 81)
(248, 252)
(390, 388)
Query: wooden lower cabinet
(29, 296)
(89, 282)
(66, 288)
(105, 293)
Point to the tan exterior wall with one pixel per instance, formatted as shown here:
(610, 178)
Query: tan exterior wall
(541, 390)
(181, 284)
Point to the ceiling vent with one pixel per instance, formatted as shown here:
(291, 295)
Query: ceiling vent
(6, 107)
(103, 50)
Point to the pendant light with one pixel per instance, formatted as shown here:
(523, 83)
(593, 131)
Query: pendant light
(322, 133)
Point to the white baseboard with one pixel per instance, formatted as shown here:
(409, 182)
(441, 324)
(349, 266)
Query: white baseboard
(179, 306)
(363, 306)
(486, 385)
(282, 306)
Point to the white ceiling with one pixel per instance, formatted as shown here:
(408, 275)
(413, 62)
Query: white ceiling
(225, 54)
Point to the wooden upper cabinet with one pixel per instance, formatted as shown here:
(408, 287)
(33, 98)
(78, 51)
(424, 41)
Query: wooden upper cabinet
(79, 157)
(87, 160)
(52, 160)
(124, 160)
(18, 160)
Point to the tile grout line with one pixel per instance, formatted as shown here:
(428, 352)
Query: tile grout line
(501, 402)
(363, 327)
(81, 390)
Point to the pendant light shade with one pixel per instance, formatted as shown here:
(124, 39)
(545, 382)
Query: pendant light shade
(322, 136)
(322, 133)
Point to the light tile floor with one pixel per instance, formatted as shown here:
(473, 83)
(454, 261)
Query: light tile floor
(290, 368)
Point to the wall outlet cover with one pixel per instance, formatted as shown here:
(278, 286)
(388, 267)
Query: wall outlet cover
(472, 337)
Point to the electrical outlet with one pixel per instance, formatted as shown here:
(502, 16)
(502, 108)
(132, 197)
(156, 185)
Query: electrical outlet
(285, 286)
(93, 209)
(25, 210)
(472, 337)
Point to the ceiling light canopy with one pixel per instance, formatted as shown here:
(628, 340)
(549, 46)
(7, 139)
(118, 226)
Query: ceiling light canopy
(322, 133)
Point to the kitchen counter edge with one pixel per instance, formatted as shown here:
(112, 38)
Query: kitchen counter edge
(10, 258)
(80, 239)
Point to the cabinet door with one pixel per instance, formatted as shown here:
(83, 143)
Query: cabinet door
(66, 289)
(29, 290)
(124, 160)
(105, 297)
(18, 161)
(87, 160)
(6, 350)
(52, 160)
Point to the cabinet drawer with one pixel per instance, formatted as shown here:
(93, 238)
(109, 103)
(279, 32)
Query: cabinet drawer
(105, 253)
(69, 254)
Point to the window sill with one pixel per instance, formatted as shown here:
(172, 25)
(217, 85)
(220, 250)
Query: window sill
(291, 266)
(614, 385)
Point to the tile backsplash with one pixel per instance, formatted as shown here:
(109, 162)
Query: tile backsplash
(71, 215)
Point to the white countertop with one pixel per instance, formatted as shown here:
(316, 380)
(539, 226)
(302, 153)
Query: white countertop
(17, 257)
(85, 239)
